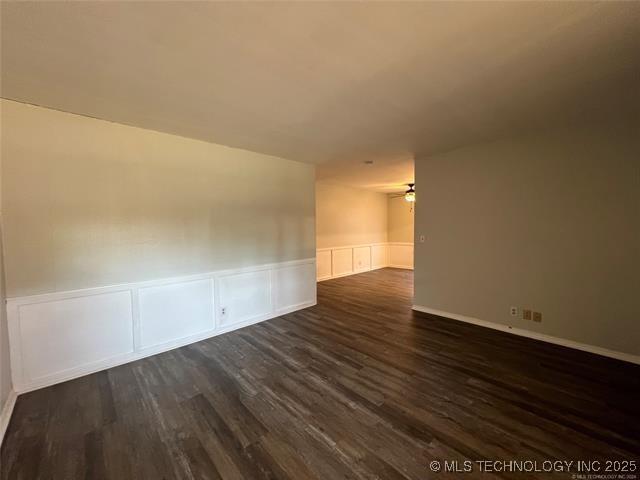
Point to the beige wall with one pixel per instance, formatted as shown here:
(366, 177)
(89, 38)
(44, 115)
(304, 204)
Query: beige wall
(89, 203)
(400, 220)
(549, 222)
(5, 363)
(349, 216)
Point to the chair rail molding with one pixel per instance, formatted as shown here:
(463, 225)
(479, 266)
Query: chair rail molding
(340, 261)
(54, 337)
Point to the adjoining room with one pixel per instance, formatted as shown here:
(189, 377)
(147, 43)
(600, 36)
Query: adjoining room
(319, 240)
(359, 229)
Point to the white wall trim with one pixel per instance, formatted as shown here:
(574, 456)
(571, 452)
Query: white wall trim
(627, 357)
(52, 336)
(401, 255)
(342, 247)
(47, 297)
(5, 413)
(333, 262)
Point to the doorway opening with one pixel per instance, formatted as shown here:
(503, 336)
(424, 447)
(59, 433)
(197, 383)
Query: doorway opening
(359, 229)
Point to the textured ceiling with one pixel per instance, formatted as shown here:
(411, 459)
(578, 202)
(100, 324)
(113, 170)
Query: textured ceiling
(329, 83)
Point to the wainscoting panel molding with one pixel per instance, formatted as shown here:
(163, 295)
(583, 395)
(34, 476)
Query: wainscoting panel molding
(55, 337)
(347, 260)
(174, 311)
(323, 267)
(341, 262)
(60, 335)
(244, 296)
(401, 255)
(379, 256)
(294, 286)
(361, 259)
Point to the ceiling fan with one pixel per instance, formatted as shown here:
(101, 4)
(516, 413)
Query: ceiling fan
(409, 195)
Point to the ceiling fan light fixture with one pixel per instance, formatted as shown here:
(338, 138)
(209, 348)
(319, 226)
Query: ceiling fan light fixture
(410, 195)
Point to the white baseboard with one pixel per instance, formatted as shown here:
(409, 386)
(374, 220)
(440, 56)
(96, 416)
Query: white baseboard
(405, 267)
(5, 414)
(56, 337)
(348, 274)
(627, 357)
(336, 262)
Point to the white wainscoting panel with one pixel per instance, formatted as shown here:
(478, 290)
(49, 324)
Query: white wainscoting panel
(347, 260)
(379, 256)
(55, 337)
(323, 264)
(341, 262)
(401, 255)
(361, 259)
(244, 296)
(295, 285)
(61, 335)
(176, 310)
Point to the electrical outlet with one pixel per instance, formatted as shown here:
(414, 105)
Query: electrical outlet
(526, 314)
(537, 316)
(514, 311)
(223, 311)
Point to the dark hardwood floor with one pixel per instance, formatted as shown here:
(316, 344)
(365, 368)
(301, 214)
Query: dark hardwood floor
(355, 387)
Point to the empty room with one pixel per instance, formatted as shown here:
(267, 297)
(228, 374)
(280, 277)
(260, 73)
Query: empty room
(319, 240)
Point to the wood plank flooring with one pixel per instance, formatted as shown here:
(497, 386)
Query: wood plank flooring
(357, 387)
